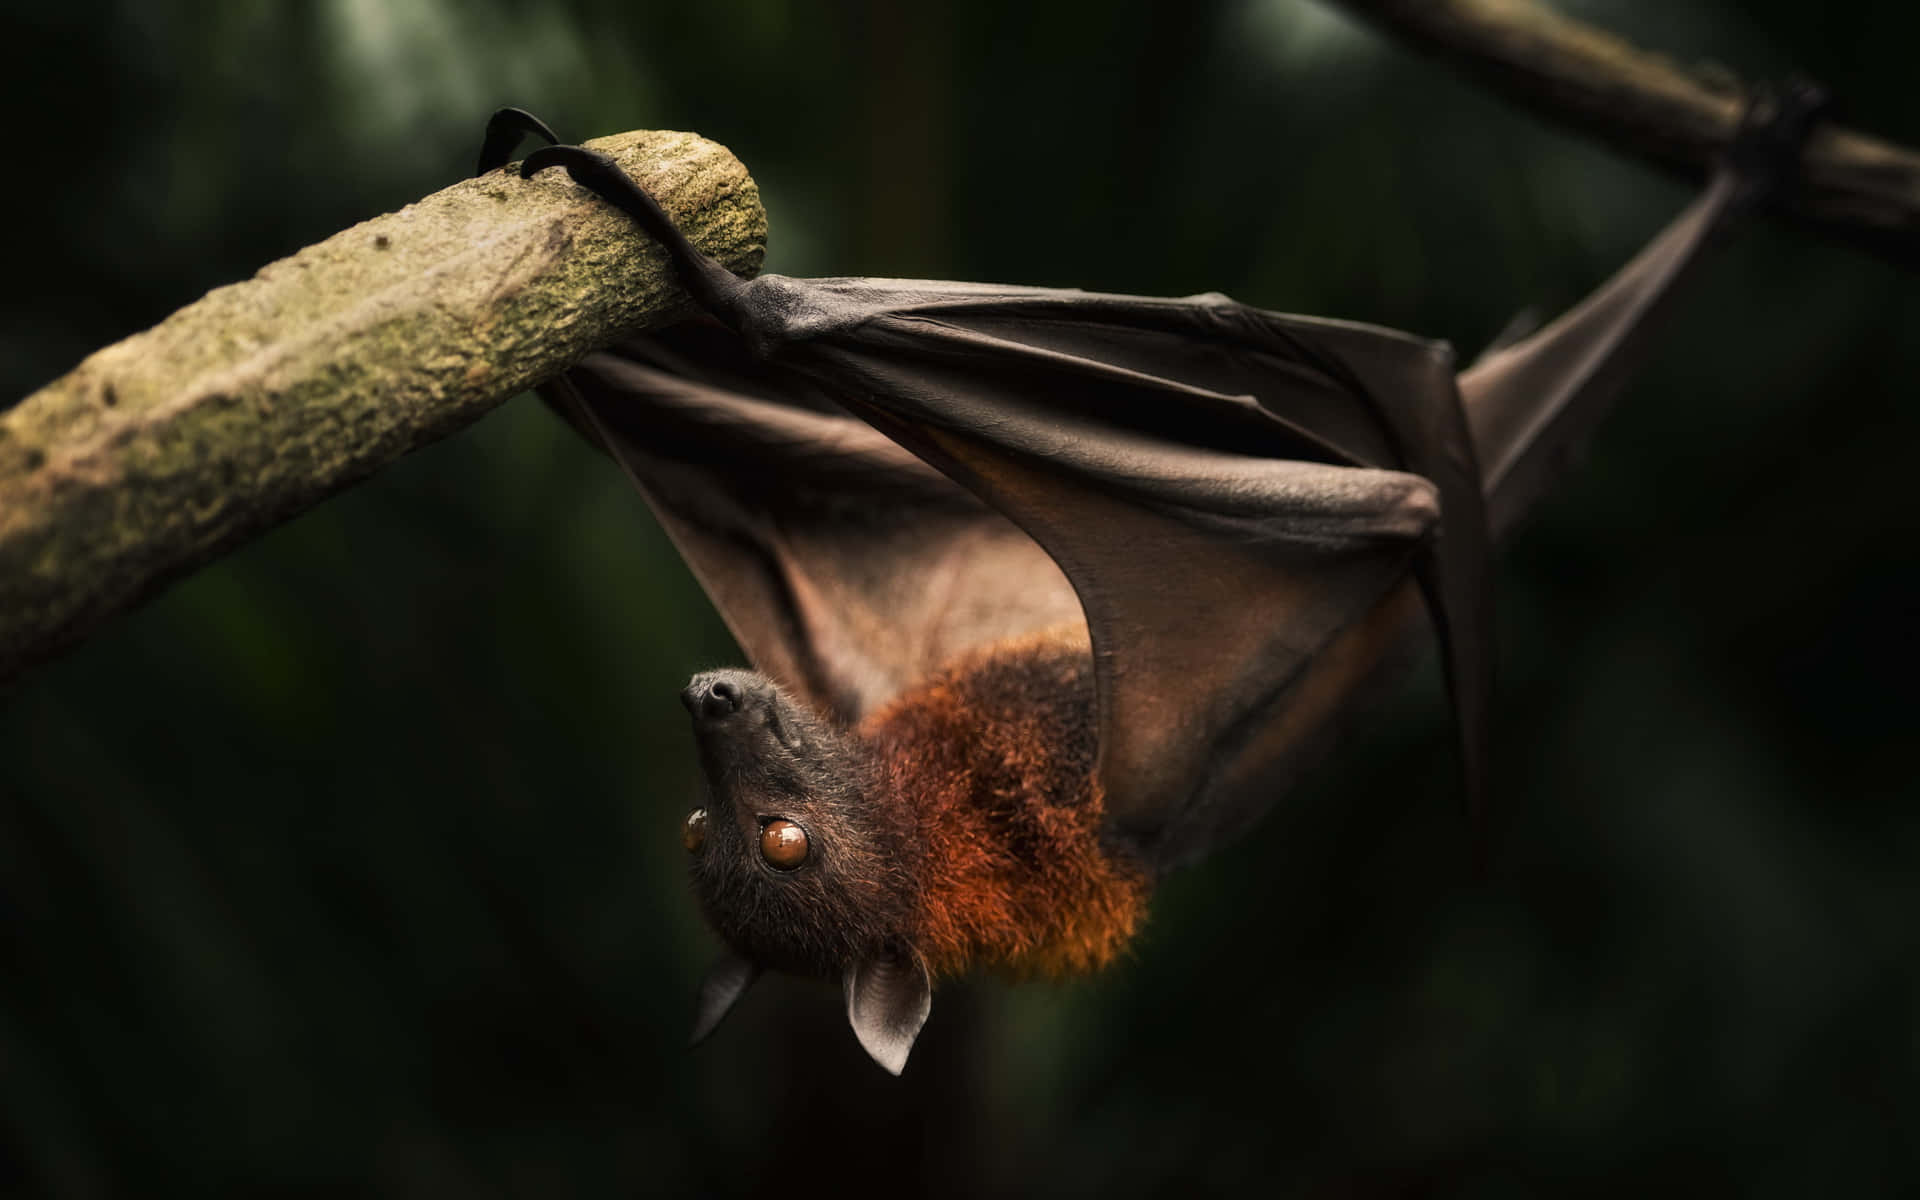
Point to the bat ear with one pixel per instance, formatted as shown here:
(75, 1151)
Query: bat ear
(888, 1000)
(725, 982)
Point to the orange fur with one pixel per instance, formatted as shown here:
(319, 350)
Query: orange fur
(993, 760)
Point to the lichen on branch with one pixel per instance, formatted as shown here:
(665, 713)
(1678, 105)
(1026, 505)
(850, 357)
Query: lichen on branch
(263, 397)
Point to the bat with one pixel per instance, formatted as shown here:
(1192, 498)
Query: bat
(1049, 592)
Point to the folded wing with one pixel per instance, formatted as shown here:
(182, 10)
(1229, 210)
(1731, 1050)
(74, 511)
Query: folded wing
(1225, 489)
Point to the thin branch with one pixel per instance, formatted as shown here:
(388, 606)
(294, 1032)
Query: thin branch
(1852, 186)
(264, 397)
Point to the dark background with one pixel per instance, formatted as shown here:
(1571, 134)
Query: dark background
(351, 862)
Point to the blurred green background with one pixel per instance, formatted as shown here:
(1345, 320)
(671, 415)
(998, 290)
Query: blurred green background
(350, 863)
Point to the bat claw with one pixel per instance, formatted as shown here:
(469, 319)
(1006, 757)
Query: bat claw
(505, 130)
(711, 284)
(1765, 150)
(590, 168)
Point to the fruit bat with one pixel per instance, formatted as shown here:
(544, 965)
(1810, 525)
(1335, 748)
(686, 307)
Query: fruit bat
(1049, 592)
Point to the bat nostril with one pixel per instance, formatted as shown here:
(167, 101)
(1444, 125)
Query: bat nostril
(716, 698)
(711, 699)
(722, 697)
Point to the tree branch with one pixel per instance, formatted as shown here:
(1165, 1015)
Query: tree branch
(1852, 186)
(264, 397)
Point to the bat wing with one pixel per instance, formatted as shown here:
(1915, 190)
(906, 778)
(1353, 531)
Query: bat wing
(1533, 402)
(845, 567)
(1217, 481)
(1226, 489)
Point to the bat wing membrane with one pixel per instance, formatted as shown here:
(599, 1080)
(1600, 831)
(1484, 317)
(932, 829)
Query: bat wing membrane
(1216, 490)
(844, 566)
(1220, 486)
(1224, 491)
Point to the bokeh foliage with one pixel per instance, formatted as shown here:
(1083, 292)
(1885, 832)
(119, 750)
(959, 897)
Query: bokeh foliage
(350, 861)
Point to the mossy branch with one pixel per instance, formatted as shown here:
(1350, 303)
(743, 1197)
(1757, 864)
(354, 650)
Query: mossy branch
(262, 398)
(1851, 186)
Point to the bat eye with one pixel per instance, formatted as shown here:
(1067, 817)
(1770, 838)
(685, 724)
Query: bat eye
(783, 844)
(693, 830)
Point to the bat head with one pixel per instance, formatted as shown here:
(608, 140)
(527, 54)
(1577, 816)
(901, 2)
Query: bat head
(800, 862)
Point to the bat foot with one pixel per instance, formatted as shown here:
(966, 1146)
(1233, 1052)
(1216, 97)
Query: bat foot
(599, 174)
(712, 285)
(1765, 151)
(506, 128)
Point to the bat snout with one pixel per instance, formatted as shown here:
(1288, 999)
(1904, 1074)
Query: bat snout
(715, 700)
(717, 695)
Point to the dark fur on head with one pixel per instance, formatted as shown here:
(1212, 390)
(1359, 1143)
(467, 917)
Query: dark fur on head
(958, 827)
(768, 758)
(960, 823)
